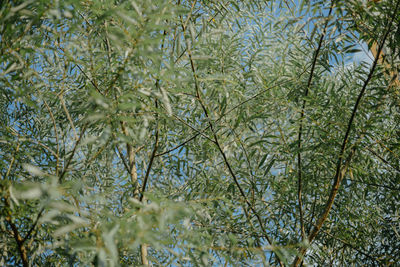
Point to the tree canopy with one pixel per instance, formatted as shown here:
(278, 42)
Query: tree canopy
(199, 133)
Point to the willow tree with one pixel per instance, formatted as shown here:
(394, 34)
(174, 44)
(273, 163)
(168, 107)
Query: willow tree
(199, 133)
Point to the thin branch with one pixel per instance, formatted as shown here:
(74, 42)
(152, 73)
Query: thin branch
(131, 161)
(338, 175)
(302, 28)
(108, 45)
(91, 81)
(18, 239)
(28, 235)
(68, 116)
(382, 159)
(56, 135)
(376, 185)
(194, 129)
(236, 181)
(144, 246)
(39, 144)
(197, 36)
(253, 97)
(248, 163)
(352, 247)
(311, 216)
(121, 68)
(61, 97)
(98, 152)
(153, 154)
(339, 170)
(17, 236)
(121, 156)
(20, 242)
(182, 144)
(12, 162)
(155, 146)
(60, 178)
(346, 243)
(299, 163)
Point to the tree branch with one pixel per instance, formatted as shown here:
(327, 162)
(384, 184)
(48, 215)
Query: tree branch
(18, 238)
(216, 141)
(339, 170)
(299, 164)
(121, 156)
(20, 242)
(60, 178)
(153, 154)
(28, 235)
(382, 159)
(56, 135)
(229, 111)
(91, 81)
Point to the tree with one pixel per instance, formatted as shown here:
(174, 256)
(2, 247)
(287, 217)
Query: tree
(199, 133)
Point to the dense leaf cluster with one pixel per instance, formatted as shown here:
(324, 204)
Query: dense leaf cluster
(199, 133)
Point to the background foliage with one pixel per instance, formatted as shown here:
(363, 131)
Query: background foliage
(191, 133)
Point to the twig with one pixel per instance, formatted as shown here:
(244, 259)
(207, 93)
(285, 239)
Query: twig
(382, 159)
(91, 81)
(246, 154)
(28, 235)
(60, 178)
(12, 162)
(68, 116)
(56, 135)
(194, 129)
(122, 158)
(153, 154)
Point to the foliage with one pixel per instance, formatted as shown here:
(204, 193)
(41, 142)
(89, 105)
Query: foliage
(180, 133)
